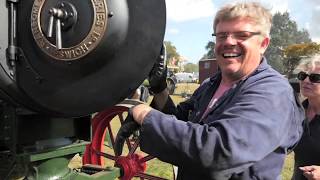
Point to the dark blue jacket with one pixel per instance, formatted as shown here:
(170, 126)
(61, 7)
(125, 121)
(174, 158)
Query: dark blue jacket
(245, 136)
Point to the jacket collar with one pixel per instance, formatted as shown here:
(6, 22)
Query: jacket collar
(262, 66)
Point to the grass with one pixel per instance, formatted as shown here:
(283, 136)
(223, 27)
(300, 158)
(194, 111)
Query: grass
(164, 170)
(184, 88)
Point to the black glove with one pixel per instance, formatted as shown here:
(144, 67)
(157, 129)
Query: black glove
(128, 127)
(158, 75)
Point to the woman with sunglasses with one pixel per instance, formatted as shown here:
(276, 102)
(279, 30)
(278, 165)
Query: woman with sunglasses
(307, 152)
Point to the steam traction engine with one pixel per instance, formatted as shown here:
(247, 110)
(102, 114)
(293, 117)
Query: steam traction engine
(62, 61)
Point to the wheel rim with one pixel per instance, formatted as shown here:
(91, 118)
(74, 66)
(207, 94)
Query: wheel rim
(134, 163)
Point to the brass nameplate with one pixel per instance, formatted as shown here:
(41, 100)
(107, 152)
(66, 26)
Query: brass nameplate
(93, 38)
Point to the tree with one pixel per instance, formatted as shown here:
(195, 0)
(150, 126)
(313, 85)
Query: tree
(210, 50)
(294, 53)
(190, 68)
(172, 55)
(284, 32)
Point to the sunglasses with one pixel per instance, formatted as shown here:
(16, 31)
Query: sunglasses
(314, 78)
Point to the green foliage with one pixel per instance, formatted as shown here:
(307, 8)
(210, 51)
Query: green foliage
(172, 54)
(190, 68)
(284, 32)
(305, 49)
(210, 50)
(294, 53)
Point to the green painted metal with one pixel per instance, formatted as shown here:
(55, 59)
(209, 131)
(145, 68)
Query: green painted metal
(56, 168)
(53, 164)
(59, 152)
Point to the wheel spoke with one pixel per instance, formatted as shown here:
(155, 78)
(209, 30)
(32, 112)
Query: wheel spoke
(106, 155)
(111, 135)
(146, 158)
(120, 116)
(128, 144)
(134, 146)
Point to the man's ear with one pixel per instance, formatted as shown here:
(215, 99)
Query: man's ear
(264, 45)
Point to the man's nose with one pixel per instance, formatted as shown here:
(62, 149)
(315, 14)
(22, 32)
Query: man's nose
(230, 39)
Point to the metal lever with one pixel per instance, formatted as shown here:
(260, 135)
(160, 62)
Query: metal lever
(58, 34)
(11, 51)
(49, 33)
(62, 17)
(56, 14)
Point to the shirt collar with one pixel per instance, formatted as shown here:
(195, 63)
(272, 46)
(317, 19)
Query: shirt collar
(262, 66)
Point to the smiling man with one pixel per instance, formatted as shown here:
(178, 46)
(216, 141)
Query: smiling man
(240, 123)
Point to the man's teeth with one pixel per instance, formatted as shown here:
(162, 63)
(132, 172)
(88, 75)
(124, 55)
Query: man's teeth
(230, 55)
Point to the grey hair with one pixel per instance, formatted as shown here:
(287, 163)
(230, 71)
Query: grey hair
(309, 63)
(252, 10)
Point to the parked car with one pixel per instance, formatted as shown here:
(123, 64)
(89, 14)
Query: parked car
(195, 77)
(183, 77)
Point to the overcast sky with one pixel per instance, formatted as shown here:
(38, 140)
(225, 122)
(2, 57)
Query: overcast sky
(189, 22)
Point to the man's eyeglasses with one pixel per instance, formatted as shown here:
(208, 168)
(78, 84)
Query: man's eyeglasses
(314, 78)
(239, 35)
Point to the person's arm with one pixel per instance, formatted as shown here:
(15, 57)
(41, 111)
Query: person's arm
(258, 122)
(164, 103)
